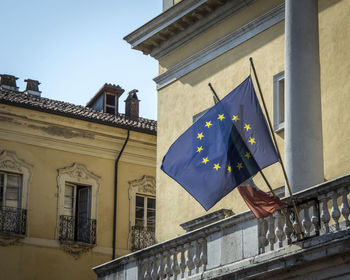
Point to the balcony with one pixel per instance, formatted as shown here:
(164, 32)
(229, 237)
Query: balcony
(142, 237)
(77, 229)
(242, 247)
(13, 221)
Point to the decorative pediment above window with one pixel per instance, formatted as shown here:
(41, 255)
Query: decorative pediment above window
(145, 185)
(77, 173)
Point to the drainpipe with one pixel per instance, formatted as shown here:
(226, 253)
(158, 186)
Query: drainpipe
(116, 194)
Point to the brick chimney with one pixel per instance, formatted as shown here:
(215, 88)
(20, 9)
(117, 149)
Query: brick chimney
(32, 87)
(8, 82)
(132, 105)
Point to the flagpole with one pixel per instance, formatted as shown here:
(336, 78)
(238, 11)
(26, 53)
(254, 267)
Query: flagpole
(212, 89)
(275, 142)
(265, 179)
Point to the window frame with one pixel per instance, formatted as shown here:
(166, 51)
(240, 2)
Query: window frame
(108, 106)
(146, 186)
(19, 195)
(11, 164)
(278, 125)
(145, 210)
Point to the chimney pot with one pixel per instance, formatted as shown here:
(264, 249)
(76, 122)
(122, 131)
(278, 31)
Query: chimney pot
(132, 105)
(32, 87)
(8, 82)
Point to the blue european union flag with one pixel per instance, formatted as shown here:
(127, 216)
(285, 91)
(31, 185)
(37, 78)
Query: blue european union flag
(226, 146)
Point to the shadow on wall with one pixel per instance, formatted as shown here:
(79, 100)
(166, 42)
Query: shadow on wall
(237, 53)
(242, 50)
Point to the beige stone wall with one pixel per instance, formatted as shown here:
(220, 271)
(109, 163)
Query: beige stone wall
(49, 143)
(179, 101)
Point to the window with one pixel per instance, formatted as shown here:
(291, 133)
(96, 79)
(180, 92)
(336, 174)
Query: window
(77, 204)
(145, 212)
(110, 104)
(278, 101)
(10, 189)
(76, 224)
(15, 177)
(142, 196)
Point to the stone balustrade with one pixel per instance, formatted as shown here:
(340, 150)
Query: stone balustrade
(322, 209)
(241, 241)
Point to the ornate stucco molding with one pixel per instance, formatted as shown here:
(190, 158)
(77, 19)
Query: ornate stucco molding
(76, 250)
(221, 46)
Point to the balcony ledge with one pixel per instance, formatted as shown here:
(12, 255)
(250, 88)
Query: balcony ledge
(242, 247)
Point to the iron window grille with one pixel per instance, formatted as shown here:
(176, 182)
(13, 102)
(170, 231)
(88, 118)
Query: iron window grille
(77, 229)
(13, 220)
(142, 237)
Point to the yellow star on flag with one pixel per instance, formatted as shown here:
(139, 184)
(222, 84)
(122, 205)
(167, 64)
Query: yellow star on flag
(200, 136)
(208, 124)
(199, 149)
(247, 126)
(221, 117)
(216, 166)
(235, 118)
(251, 140)
(205, 160)
(239, 166)
(229, 168)
(248, 155)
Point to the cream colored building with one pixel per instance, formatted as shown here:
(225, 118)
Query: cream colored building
(201, 42)
(77, 184)
(300, 49)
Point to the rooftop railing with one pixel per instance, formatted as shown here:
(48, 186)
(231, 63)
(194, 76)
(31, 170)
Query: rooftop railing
(241, 241)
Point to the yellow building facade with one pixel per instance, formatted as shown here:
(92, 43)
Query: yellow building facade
(77, 184)
(201, 42)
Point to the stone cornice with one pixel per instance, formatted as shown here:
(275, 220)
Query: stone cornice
(221, 46)
(179, 24)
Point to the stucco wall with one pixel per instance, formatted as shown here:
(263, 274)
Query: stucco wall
(179, 101)
(49, 143)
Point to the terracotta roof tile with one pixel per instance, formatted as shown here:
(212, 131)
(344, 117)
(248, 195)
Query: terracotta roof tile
(21, 99)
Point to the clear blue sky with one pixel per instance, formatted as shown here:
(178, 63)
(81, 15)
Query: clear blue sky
(74, 46)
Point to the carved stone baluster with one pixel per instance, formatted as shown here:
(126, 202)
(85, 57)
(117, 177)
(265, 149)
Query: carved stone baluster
(147, 272)
(279, 228)
(306, 222)
(335, 209)
(154, 270)
(203, 255)
(189, 262)
(161, 271)
(270, 235)
(314, 219)
(197, 252)
(263, 240)
(325, 217)
(345, 205)
(175, 265)
(167, 268)
(261, 235)
(288, 229)
(182, 261)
